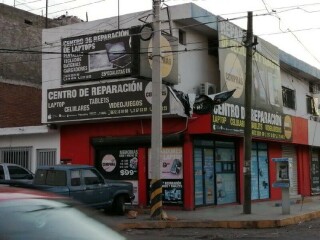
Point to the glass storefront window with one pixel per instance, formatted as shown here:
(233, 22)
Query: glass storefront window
(215, 173)
(259, 171)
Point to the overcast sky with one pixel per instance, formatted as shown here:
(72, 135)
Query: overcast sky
(291, 25)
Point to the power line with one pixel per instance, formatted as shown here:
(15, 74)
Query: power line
(180, 27)
(78, 6)
(291, 32)
(27, 3)
(213, 22)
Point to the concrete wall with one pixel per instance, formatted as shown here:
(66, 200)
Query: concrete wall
(196, 65)
(301, 88)
(20, 31)
(35, 141)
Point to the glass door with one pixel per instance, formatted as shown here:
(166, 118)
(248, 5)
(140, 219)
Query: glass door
(204, 176)
(259, 172)
(263, 175)
(225, 172)
(208, 176)
(198, 181)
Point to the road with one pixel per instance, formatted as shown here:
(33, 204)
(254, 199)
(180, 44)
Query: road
(305, 230)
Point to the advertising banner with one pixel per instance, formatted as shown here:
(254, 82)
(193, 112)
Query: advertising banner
(315, 174)
(170, 163)
(103, 100)
(172, 192)
(118, 164)
(267, 117)
(135, 191)
(230, 118)
(95, 56)
(169, 59)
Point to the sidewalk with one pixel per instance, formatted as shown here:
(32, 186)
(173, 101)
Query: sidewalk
(263, 215)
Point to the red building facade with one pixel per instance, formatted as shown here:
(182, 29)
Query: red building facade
(82, 144)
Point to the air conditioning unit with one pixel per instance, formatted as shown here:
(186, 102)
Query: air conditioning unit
(316, 118)
(207, 88)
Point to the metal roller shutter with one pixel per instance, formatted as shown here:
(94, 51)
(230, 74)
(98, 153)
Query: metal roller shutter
(290, 152)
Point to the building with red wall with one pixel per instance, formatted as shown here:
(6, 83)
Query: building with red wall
(104, 114)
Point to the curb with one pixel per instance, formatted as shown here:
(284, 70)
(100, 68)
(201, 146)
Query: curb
(157, 224)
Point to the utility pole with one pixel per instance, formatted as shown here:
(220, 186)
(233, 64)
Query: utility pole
(47, 13)
(118, 14)
(156, 118)
(247, 129)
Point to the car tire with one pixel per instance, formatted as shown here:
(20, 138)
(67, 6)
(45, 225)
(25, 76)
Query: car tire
(119, 205)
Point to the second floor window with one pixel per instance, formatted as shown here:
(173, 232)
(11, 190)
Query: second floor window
(311, 109)
(182, 37)
(289, 98)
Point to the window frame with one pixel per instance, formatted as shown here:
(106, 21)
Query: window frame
(289, 98)
(182, 37)
(16, 155)
(310, 105)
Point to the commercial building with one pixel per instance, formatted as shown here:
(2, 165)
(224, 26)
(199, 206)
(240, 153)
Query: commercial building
(96, 89)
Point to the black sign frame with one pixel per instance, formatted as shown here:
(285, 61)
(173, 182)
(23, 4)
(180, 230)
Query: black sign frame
(99, 56)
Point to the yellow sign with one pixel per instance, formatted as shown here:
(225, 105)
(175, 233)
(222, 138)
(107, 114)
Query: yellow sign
(166, 56)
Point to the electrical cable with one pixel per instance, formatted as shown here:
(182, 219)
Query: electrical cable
(180, 51)
(295, 36)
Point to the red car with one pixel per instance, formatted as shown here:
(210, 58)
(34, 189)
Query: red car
(32, 214)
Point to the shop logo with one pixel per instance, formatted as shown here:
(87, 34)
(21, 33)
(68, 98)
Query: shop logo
(148, 92)
(109, 163)
(233, 74)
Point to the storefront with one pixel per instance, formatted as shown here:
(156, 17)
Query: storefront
(107, 123)
(214, 172)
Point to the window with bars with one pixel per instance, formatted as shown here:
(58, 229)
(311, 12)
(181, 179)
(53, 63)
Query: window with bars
(46, 157)
(289, 98)
(16, 155)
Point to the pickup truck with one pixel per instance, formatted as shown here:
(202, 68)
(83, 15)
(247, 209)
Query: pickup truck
(10, 172)
(85, 184)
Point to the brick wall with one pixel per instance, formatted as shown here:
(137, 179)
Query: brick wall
(22, 31)
(20, 70)
(20, 105)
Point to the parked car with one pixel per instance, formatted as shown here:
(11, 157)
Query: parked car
(85, 184)
(15, 172)
(32, 214)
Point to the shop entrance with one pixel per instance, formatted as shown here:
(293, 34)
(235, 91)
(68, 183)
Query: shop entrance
(214, 172)
(204, 176)
(259, 171)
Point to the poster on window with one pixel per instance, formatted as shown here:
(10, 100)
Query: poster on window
(226, 188)
(315, 183)
(119, 164)
(171, 166)
(172, 192)
(135, 192)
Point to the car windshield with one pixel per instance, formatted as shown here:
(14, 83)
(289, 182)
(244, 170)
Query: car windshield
(49, 219)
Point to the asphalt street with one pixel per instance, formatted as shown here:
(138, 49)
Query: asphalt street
(309, 230)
